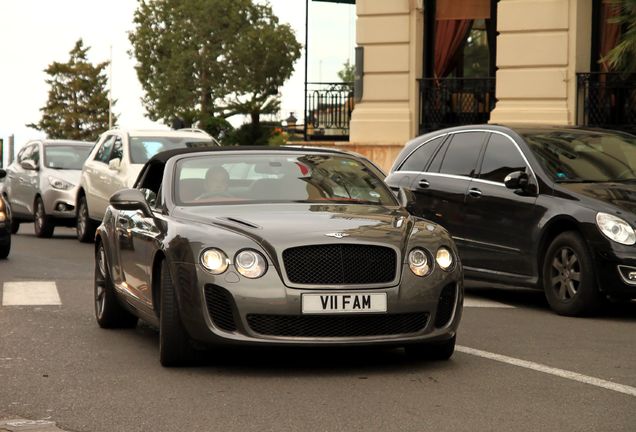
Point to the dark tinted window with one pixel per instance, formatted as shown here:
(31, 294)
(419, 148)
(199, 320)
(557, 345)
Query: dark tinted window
(118, 151)
(501, 158)
(419, 158)
(104, 151)
(576, 156)
(35, 156)
(462, 154)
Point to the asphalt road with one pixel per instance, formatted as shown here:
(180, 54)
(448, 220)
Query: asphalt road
(519, 368)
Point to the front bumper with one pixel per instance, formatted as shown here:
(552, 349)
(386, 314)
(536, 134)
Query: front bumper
(225, 309)
(60, 203)
(610, 259)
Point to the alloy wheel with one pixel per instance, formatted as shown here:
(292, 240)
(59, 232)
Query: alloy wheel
(81, 219)
(100, 282)
(39, 215)
(565, 273)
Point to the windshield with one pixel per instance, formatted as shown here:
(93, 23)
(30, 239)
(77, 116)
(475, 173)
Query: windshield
(70, 157)
(143, 148)
(246, 178)
(585, 156)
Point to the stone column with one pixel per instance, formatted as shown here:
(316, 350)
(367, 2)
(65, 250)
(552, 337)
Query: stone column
(541, 46)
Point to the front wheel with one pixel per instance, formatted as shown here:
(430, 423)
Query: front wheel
(15, 226)
(436, 351)
(42, 224)
(569, 280)
(86, 227)
(5, 248)
(174, 344)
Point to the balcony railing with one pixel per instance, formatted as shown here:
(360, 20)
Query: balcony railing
(447, 102)
(606, 100)
(329, 107)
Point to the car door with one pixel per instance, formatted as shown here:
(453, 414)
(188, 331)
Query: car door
(31, 183)
(413, 165)
(115, 178)
(95, 172)
(497, 218)
(17, 187)
(441, 191)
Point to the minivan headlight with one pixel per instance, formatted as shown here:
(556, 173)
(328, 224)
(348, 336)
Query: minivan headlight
(615, 228)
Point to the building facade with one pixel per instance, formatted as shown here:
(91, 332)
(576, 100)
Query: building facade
(430, 64)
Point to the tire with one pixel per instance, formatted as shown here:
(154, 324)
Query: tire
(42, 223)
(86, 227)
(436, 351)
(109, 313)
(15, 226)
(174, 344)
(569, 278)
(5, 248)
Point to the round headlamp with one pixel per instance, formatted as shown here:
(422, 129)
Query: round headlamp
(214, 260)
(615, 228)
(419, 262)
(444, 258)
(250, 263)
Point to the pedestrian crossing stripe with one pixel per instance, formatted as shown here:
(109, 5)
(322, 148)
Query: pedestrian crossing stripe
(31, 293)
(476, 302)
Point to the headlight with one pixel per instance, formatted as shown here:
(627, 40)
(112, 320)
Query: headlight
(615, 228)
(59, 183)
(419, 262)
(444, 258)
(214, 260)
(250, 264)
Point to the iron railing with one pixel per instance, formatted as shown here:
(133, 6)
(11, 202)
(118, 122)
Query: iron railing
(606, 100)
(329, 107)
(447, 102)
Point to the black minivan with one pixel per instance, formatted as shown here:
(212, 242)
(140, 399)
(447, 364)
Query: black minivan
(547, 207)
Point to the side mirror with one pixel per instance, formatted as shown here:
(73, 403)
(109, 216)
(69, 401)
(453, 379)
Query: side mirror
(520, 181)
(406, 199)
(28, 165)
(130, 199)
(114, 164)
(3, 173)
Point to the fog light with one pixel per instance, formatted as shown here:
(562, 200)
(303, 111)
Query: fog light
(632, 276)
(60, 207)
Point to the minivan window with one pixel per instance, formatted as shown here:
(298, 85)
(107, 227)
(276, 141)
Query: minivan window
(500, 159)
(104, 151)
(462, 154)
(418, 160)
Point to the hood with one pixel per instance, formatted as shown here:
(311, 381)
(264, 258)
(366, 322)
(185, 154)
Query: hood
(71, 176)
(279, 226)
(621, 196)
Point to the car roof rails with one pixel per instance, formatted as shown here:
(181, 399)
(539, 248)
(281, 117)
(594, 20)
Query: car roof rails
(197, 130)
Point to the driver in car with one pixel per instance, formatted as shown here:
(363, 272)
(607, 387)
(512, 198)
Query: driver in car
(217, 181)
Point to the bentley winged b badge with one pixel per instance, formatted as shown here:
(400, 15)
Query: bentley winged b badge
(337, 235)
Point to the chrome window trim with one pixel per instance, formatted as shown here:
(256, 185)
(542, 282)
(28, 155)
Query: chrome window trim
(523, 156)
(416, 149)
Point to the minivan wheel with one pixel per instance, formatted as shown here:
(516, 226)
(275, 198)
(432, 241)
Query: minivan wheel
(109, 313)
(42, 223)
(86, 227)
(569, 279)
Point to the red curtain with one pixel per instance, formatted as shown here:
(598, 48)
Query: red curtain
(450, 36)
(609, 32)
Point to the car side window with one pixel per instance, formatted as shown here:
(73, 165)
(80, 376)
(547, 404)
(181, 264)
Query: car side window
(462, 154)
(104, 151)
(25, 153)
(418, 160)
(500, 159)
(35, 155)
(118, 150)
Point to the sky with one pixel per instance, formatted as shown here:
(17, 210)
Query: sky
(35, 33)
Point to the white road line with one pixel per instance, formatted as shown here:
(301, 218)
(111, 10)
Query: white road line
(620, 388)
(477, 302)
(36, 293)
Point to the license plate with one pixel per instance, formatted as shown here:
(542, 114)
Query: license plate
(343, 303)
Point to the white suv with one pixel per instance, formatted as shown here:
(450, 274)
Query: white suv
(114, 164)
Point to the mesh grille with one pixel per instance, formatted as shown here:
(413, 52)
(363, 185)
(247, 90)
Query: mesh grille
(445, 306)
(337, 326)
(340, 264)
(219, 303)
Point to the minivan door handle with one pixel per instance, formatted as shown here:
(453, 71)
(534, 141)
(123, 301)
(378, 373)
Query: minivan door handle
(423, 184)
(474, 192)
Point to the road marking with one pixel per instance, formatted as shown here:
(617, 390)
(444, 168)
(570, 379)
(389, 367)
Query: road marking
(477, 302)
(620, 388)
(36, 293)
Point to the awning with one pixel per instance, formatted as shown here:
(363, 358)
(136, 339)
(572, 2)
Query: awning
(338, 1)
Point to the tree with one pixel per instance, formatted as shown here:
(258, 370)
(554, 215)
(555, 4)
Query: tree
(347, 73)
(206, 60)
(77, 107)
(622, 57)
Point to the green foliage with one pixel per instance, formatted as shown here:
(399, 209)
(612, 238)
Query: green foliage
(247, 134)
(77, 107)
(622, 57)
(347, 73)
(207, 60)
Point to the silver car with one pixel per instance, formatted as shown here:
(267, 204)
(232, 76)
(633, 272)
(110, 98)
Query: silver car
(42, 184)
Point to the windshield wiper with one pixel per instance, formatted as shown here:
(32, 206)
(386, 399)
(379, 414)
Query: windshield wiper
(579, 181)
